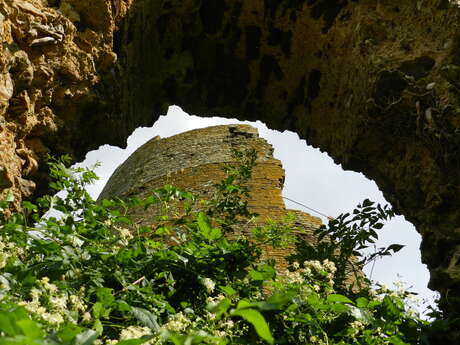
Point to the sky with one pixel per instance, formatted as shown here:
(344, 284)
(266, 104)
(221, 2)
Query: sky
(312, 178)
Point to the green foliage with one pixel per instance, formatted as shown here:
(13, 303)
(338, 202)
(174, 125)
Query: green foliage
(92, 276)
(344, 239)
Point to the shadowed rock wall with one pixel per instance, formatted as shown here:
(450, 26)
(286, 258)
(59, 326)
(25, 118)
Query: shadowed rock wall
(194, 161)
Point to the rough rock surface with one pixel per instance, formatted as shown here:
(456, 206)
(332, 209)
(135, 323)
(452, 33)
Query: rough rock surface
(194, 161)
(376, 84)
(56, 58)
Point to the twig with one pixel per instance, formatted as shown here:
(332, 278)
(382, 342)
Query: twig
(126, 287)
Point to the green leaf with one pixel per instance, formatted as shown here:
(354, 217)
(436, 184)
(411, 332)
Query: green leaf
(97, 326)
(378, 226)
(395, 340)
(367, 203)
(9, 320)
(243, 304)
(257, 320)
(339, 308)
(30, 328)
(228, 290)
(18, 340)
(280, 299)
(134, 341)
(104, 296)
(220, 308)
(256, 275)
(392, 307)
(69, 332)
(86, 338)
(362, 302)
(6, 325)
(203, 222)
(215, 234)
(361, 314)
(395, 247)
(97, 309)
(27, 205)
(9, 196)
(107, 203)
(339, 298)
(146, 318)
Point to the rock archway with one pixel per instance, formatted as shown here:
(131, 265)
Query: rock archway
(374, 83)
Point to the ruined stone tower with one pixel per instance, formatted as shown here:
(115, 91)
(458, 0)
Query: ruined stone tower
(194, 161)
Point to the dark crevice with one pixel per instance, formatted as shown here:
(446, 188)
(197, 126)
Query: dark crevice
(280, 38)
(253, 35)
(314, 80)
(268, 66)
(212, 14)
(326, 9)
(389, 87)
(418, 68)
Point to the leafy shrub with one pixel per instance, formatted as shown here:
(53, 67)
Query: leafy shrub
(91, 276)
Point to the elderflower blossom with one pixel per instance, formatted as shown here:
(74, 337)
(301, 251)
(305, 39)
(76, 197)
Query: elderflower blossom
(8, 250)
(209, 284)
(53, 306)
(329, 266)
(59, 302)
(315, 264)
(35, 294)
(77, 302)
(124, 233)
(177, 323)
(357, 325)
(133, 332)
(86, 317)
(213, 301)
(3, 259)
(53, 318)
(294, 277)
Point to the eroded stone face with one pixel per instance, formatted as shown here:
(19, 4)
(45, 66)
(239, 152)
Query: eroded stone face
(54, 57)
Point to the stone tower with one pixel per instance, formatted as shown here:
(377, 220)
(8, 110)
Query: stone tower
(194, 161)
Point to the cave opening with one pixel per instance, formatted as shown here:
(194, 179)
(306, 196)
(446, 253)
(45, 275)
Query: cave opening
(312, 179)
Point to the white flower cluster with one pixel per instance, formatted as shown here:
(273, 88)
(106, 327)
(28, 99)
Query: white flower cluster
(209, 284)
(214, 301)
(124, 234)
(411, 301)
(326, 265)
(312, 275)
(134, 332)
(180, 323)
(374, 335)
(8, 250)
(177, 323)
(53, 306)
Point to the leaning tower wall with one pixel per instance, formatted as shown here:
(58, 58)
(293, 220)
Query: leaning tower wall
(194, 161)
